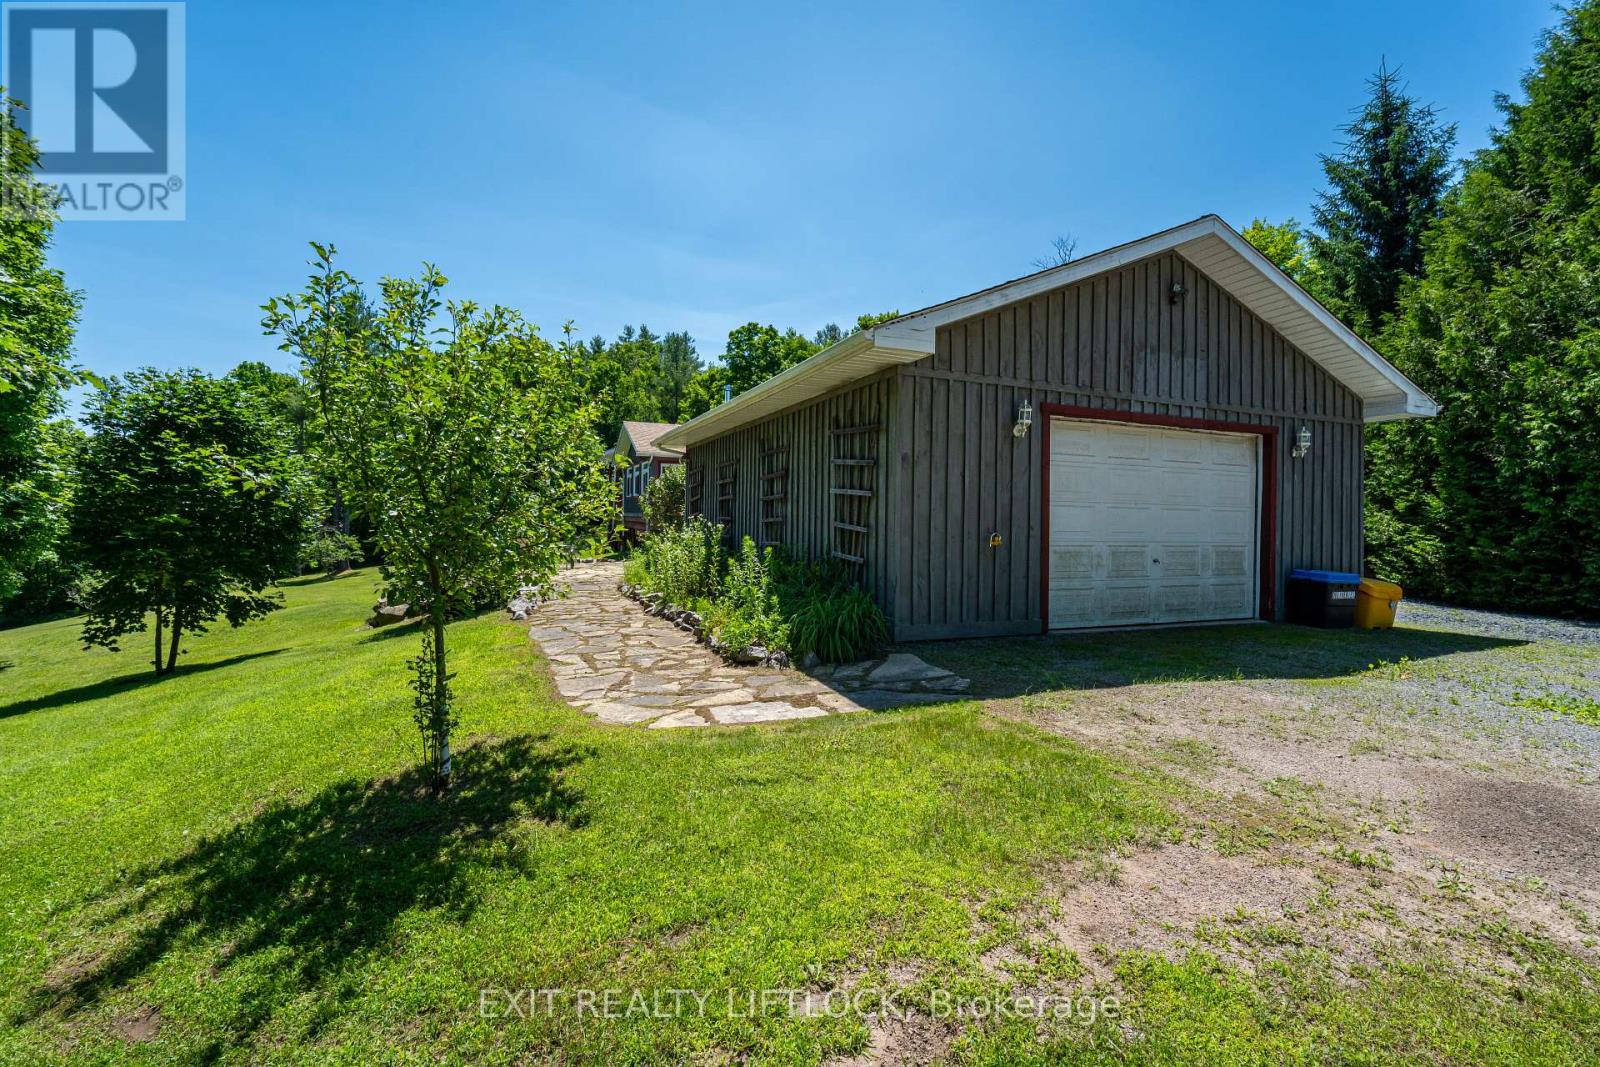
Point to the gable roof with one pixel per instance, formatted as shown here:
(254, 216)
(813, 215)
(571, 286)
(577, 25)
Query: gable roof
(1210, 244)
(644, 438)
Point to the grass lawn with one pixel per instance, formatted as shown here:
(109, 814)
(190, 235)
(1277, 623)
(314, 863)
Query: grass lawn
(238, 863)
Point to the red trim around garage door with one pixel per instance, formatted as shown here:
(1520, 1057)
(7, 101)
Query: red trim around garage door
(1267, 558)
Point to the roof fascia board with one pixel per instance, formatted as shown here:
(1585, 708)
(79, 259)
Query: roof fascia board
(1416, 403)
(705, 424)
(912, 337)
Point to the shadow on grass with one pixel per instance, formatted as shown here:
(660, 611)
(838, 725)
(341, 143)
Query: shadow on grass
(292, 898)
(1017, 666)
(121, 684)
(301, 580)
(403, 628)
(413, 626)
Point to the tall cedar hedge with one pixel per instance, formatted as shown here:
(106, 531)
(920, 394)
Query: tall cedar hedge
(1497, 500)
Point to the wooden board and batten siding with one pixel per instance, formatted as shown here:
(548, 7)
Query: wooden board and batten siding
(1116, 342)
(954, 536)
(800, 473)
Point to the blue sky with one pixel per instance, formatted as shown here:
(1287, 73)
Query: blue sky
(702, 166)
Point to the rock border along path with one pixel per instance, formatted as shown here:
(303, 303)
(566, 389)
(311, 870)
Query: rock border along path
(622, 666)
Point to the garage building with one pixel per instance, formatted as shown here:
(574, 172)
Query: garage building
(1154, 434)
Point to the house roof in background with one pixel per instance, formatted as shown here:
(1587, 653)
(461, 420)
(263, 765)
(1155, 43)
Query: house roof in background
(1213, 246)
(643, 436)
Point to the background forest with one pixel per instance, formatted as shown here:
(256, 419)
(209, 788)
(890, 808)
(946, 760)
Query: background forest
(1479, 278)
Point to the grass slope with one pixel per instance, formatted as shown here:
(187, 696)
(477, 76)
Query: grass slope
(238, 863)
(240, 858)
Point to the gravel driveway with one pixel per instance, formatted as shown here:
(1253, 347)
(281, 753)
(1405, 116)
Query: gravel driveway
(1432, 778)
(1424, 615)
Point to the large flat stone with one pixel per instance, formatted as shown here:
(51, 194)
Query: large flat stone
(763, 711)
(623, 666)
(644, 700)
(788, 689)
(623, 714)
(588, 683)
(839, 703)
(852, 672)
(902, 667)
(677, 718)
(714, 700)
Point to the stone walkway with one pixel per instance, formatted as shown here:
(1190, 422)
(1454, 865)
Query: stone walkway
(621, 665)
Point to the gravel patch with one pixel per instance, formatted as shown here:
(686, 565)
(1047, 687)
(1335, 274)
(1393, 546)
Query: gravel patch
(1429, 616)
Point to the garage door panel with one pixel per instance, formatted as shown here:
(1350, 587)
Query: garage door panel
(1078, 482)
(1077, 441)
(1233, 452)
(1120, 443)
(1151, 524)
(1182, 487)
(1232, 599)
(1069, 524)
(1178, 452)
(1184, 602)
(1073, 603)
(1124, 603)
(1179, 561)
(1072, 562)
(1123, 522)
(1127, 561)
(1230, 561)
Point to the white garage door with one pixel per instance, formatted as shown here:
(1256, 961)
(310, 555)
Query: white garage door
(1151, 525)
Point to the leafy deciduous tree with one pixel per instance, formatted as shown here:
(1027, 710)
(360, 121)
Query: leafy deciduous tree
(461, 433)
(664, 498)
(704, 391)
(38, 314)
(187, 508)
(1284, 243)
(756, 352)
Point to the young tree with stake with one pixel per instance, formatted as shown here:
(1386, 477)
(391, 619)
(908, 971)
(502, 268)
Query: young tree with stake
(460, 433)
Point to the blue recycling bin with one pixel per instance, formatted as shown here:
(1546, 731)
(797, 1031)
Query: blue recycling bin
(1323, 598)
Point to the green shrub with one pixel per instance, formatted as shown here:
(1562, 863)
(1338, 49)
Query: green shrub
(747, 612)
(765, 597)
(684, 564)
(829, 613)
(1405, 553)
(841, 626)
(663, 498)
(330, 550)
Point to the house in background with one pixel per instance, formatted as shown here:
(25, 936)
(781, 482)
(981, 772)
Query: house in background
(644, 457)
(1157, 433)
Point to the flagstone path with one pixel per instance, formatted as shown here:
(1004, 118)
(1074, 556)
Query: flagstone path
(621, 665)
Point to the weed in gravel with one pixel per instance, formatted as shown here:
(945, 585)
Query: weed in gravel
(1583, 709)
(1366, 861)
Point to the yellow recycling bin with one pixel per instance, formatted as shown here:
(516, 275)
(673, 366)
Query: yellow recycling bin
(1376, 602)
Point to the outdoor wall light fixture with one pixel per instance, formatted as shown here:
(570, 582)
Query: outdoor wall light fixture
(1024, 420)
(1302, 442)
(1177, 292)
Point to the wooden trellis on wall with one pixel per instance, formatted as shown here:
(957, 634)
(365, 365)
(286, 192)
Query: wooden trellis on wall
(854, 463)
(725, 474)
(695, 490)
(774, 493)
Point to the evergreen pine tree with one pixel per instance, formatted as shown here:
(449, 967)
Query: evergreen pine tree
(1385, 188)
